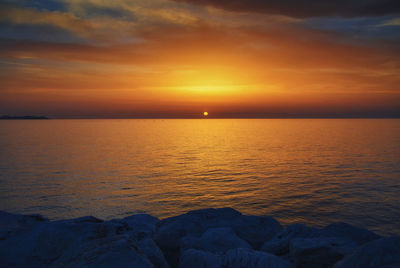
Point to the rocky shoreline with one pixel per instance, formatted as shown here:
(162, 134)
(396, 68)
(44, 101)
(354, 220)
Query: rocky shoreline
(202, 238)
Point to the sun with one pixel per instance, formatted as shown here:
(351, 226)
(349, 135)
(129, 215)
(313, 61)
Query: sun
(205, 113)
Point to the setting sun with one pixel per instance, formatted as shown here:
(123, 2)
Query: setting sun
(104, 113)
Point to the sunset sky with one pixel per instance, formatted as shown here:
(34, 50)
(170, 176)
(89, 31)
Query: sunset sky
(165, 58)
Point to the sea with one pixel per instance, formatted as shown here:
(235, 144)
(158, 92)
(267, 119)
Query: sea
(311, 171)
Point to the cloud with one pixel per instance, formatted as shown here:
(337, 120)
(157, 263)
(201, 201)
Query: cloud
(392, 22)
(307, 8)
(134, 50)
(65, 21)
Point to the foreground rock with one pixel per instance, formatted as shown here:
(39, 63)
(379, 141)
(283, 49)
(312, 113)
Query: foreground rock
(384, 252)
(83, 242)
(311, 247)
(253, 230)
(234, 258)
(219, 238)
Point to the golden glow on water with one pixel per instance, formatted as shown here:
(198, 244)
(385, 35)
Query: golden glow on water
(311, 171)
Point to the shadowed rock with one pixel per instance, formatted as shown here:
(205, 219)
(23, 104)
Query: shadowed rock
(382, 253)
(234, 258)
(280, 243)
(241, 257)
(11, 223)
(319, 252)
(215, 240)
(139, 225)
(349, 232)
(204, 238)
(149, 248)
(252, 229)
(194, 258)
(82, 242)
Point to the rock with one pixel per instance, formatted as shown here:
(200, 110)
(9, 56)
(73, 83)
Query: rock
(215, 240)
(86, 219)
(238, 258)
(256, 229)
(48, 241)
(146, 221)
(349, 232)
(320, 251)
(114, 251)
(82, 242)
(149, 248)
(195, 223)
(250, 228)
(307, 246)
(139, 225)
(325, 247)
(234, 258)
(205, 238)
(194, 258)
(279, 244)
(10, 223)
(381, 253)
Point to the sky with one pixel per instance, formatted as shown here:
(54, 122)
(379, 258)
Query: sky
(179, 58)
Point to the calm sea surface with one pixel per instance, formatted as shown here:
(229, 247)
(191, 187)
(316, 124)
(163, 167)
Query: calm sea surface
(307, 170)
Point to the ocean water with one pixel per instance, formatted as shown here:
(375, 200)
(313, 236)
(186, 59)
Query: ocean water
(313, 171)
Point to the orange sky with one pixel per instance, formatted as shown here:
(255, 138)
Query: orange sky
(173, 58)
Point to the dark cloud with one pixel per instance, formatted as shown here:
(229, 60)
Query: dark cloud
(50, 5)
(44, 33)
(117, 12)
(307, 8)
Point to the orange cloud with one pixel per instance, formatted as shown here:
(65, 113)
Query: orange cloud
(164, 64)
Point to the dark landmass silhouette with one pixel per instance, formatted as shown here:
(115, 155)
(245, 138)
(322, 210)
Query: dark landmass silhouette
(26, 117)
(214, 238)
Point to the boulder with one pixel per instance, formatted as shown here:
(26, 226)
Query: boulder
(215, 240)
(114, 251)
(381, 253)
(82, 242)
(149, 248)
(319, 252)
(204, 238)
(11, 223)
(85, 219)
(46, 242)
(252, 229)
(193, 258)
(280, 243)
(139, 225)
(256, 229)
(241, 257)
(349, 232)
(308, 246)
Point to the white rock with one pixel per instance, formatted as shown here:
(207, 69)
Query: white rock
(239, 258)
(215, 240)
(114, 251)
(10, 223)
(253, 230)
(319, 252)
(279, 244)
(349, 232)
(139, 225)
(381, 253)
(170, 231)
(149, 248)
(81, 242)
(256, 229)
(193, 258)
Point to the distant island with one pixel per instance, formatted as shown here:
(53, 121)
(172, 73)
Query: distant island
(30, 117)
